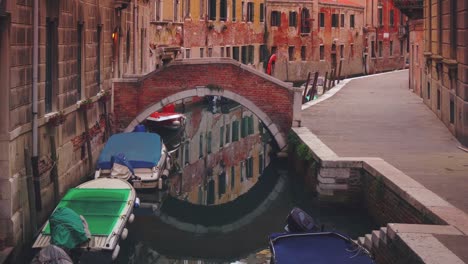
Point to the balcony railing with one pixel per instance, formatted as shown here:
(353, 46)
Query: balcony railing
(411, 8)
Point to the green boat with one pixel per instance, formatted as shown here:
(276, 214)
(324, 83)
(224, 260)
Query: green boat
(97, 212)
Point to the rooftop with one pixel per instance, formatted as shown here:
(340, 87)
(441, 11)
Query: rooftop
(341, 3)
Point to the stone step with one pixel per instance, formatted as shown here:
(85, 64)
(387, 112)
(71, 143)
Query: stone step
(360, 241)
(368, 242)
(375, 238)
(383, 235)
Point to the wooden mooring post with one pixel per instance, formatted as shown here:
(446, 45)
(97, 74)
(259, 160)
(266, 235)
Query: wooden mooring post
(88, 140)
(314, 86)
(330, 80)
(54, 171)
(325, 82)
(305, 89)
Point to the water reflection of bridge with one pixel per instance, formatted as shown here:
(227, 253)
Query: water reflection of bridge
(224, 217)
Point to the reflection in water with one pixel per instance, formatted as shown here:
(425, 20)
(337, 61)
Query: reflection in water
(226, 194)
(224, 151)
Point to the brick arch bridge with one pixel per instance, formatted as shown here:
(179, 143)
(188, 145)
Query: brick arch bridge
(276, 103)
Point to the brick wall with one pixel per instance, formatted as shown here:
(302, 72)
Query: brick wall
(274, 100)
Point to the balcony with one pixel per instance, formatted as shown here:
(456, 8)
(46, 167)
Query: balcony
(413, 9)
(121, 4)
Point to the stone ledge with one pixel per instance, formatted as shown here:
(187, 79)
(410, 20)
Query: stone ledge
(394, 229)
(428, 248)
(404, 186)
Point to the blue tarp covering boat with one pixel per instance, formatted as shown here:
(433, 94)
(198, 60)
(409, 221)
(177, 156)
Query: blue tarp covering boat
(142, 150)
(320, 247)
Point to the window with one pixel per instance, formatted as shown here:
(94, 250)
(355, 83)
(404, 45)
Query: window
(438, 99)
(292, 19)
(322, 52)
(187, 53)
(342, 18)
(222, 52)
(303, 53)
(250, 127)
(380, 16)
(334, 20)
(351, 50)
(176, 11)
(157, 10)
(208, 142)
(233, 10)
(392, 17)
(262, 52)
(262, 12)
(228, 52)
(250, 12)
(233, 177)
(202, 8)
(291, 53)
(200, 147)
(251, 54)
(249, 167)
(428, 90)
(452, 111)
(305, 21)
(242, 171)
(322, 19)
(186, 153)
(235, 131)
(244, 54)
(212, 9)
(275, 19)
(244, 125)
(243, 11)
(372, 49)
(221, 184)
(273, 49)
(235, 53)
(342, 51)
(351, 21)
(380, 48)
(202, 52)
(401, 48)
(187, 9)
(260, 164)
(228, 133)
(223, 10)
(391, 48)
(210, 52)
(221, 136)
(79, 58)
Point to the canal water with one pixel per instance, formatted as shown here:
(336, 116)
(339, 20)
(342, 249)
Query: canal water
(226, 193)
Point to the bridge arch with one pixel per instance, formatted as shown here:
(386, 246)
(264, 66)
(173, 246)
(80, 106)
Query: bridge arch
(276, 103)
(205, 91)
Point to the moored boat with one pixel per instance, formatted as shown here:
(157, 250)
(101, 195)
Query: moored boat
(304, 243)
(105, 207)
(166, 118)
(138, 157)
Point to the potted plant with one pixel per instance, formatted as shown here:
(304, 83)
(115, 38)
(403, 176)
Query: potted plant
(104, 95)
(57, 119)
(85, 104)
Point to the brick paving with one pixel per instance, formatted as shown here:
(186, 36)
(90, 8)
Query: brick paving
(378, 116)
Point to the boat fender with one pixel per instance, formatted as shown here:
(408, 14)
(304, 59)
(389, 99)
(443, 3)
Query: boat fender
(116, 252)
(137, 203)
(124, 234)
(131, 218)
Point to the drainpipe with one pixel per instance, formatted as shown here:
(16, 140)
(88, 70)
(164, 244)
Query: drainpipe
(135, 35)
(34, 158)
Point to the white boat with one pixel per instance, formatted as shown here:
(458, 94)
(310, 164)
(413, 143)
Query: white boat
(106, 206)
(138, 157)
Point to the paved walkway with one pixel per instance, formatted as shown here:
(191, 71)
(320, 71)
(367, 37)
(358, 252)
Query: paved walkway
(377, 116)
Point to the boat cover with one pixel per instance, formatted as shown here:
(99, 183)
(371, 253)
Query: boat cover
(67, 228)
(311, 248)
(52, 255)
(142, 150)
(100, 207)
